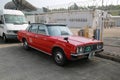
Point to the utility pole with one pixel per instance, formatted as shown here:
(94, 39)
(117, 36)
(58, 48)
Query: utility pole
(102, 23)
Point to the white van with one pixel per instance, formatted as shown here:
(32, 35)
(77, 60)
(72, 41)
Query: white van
(11, 21)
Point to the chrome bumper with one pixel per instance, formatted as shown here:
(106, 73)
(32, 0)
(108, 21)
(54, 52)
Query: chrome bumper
(82, 54)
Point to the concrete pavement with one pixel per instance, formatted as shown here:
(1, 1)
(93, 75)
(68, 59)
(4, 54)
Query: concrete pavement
(111, 49)
(19, 64)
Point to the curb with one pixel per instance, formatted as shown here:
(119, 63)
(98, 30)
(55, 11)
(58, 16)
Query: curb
(112, 45)
(107, 55)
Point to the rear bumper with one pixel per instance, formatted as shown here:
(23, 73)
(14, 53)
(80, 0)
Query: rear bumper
(84, 55)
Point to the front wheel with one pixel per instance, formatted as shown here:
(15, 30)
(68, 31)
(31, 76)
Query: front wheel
(4, 38)
(59, 57)
(25, 44)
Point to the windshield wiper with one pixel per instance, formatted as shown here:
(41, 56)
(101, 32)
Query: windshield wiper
(64, 33)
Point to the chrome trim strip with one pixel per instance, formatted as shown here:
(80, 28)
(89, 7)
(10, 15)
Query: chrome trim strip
(40, 50)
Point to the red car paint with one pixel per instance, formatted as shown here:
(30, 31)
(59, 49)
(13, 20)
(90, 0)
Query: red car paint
(47, 43)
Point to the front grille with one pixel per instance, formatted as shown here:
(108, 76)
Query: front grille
(94, 47)
(15, 32)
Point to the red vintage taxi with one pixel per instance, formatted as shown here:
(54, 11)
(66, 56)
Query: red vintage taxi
(58, 41)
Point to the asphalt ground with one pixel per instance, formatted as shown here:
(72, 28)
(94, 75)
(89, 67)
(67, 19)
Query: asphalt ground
(19, 64)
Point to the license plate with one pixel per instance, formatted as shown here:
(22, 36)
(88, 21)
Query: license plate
(91, 55)
(88, 49)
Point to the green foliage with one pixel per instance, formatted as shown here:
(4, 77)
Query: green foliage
(45, 9)
(112, 9)
(73, 7)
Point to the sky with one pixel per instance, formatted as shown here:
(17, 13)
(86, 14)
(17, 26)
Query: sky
(64, 3)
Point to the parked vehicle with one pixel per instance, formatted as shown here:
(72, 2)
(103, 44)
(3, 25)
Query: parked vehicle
(11, 21)
(57, 40)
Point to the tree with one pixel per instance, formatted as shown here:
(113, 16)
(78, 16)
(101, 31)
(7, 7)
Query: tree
(74, 7)
(45, 9)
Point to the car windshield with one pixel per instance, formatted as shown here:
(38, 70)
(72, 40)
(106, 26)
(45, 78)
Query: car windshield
(59, 31)
(15, 19)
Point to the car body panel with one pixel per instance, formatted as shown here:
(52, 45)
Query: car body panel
(47, 43)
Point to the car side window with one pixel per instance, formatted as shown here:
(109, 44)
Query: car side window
(33, 29)
(42, 29)
(28, 28)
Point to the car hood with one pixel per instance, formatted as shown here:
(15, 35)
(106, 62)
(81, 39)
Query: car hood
(79, 41)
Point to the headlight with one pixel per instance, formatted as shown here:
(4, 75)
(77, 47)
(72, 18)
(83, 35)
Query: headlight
(9, 31)
(99, 46)
(80, 50)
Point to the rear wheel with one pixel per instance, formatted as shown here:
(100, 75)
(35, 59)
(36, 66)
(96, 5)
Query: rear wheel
(4, 38)
(59, 57)
(25, 44)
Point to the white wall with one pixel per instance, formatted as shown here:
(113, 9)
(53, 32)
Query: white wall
(31, 18)
(71, 18)
(117, 21)
(78, 19)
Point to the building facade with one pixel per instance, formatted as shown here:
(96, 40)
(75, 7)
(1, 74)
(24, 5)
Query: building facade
(72, 18)
(116, 20)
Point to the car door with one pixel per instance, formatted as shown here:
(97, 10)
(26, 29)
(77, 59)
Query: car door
(31, 35)
(42, 38)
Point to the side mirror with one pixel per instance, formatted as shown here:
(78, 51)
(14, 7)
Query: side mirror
(28, 22)
(93, 37)
(66, 38)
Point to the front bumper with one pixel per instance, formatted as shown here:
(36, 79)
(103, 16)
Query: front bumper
(84, 55)
(9, 36)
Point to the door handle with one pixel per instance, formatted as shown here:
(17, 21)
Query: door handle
(36, 36)
(27, 34)
(44, 39)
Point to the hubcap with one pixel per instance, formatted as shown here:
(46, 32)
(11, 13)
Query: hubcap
(25, 44)
(4, 38)
(58, 57)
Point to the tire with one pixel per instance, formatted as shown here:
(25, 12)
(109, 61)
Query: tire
(59, 57)
(25, 45)
(86, 58)
(4, 38)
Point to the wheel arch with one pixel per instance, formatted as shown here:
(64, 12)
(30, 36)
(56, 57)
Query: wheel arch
(23, 39)
(56, 47)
